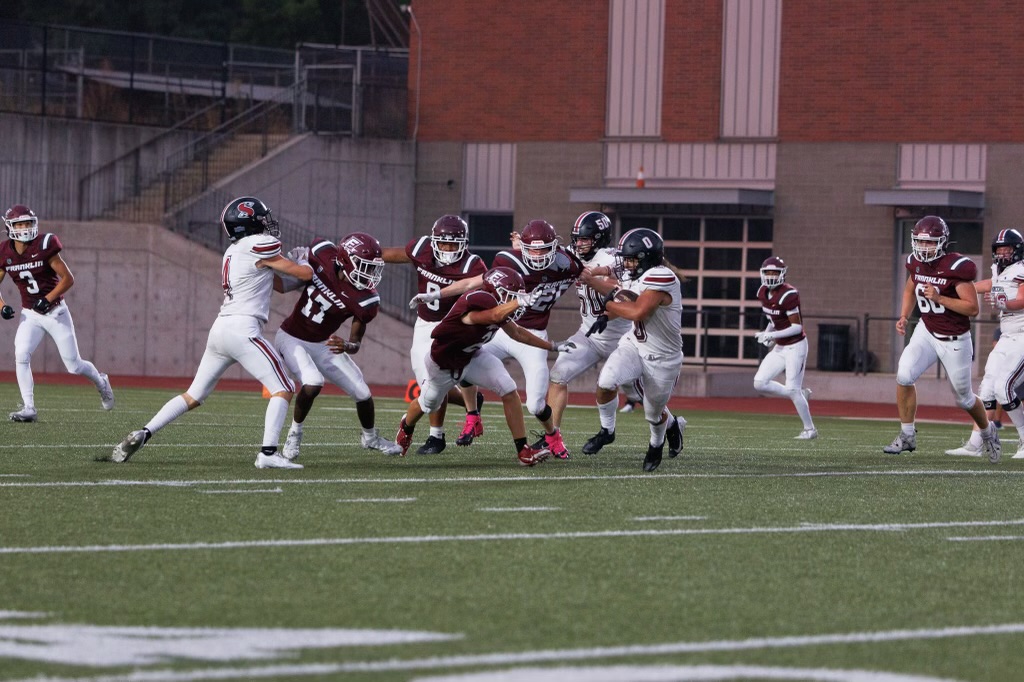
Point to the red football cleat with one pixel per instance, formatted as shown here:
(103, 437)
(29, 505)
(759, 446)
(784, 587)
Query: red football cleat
(403, 439)
(473, 428)
(530, 456)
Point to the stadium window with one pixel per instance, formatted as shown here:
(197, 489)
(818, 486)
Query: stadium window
(489, 233)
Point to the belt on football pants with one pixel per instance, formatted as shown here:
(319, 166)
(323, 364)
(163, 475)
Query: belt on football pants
(949, 338)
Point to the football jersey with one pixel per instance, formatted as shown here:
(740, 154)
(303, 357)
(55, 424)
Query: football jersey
(247, 288)
(31, 270)
(432, 276)
(329, 299)
(553, 280)
(659, 333)
(455, 342)
(1005, 285)
(592, 301)
(777, 305)
(944, 273)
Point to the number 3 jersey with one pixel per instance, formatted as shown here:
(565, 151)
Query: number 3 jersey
(1005, 285)
(432, 276)
(31, 270)
(553, 280)
(329, 299)
(944, 273)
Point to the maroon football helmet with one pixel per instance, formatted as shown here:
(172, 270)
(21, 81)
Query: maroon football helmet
(539, 244)
(505, 284)
(361, 259)
(22, 223)
(449, 229)
(929, 237)
(773, 272)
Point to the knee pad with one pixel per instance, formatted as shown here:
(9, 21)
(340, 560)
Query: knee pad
(544, 414)
(361, 393)
(989, 404)
(1012, 405)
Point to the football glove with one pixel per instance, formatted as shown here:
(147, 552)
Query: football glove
(527, 300)
(600, 324)
(428, 297)
(42, 306)
(7, 312)
(300, 254)
(566, 346)
(764, 338)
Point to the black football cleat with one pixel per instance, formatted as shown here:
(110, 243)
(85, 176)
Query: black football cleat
(598, 441)
(674, 436)
(432, 446)
(653, 458)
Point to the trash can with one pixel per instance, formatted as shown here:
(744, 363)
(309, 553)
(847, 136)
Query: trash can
(834, 347)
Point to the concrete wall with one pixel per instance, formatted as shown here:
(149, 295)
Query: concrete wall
(144, 299)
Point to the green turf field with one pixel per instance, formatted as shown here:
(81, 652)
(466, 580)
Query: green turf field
(751, 556)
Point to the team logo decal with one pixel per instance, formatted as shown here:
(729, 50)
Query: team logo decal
(246, 210)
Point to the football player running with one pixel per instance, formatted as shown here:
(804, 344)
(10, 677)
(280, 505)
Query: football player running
(42, 277)
(785, 335)
(247, 278)
(1004, 370)
(342, 287)
(941, 286)
(459, 352)
(440, 258)
(648, 294)
(548, 270)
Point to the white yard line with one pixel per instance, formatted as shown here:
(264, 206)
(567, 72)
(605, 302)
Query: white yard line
(670, 518)
(379, 499)
(985, 538)
(240, 492)
(507, 537)
(519, 509)
(556, 656)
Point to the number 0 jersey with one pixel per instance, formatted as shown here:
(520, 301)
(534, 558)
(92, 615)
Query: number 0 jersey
(247, 288)
(432, 276)
(659, 333)
(31, 270)
(329, 299)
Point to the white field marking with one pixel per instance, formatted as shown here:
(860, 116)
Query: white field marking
(895, 423)
(240, 492)
(378, 499)
(496, 537)
(525, 478)
(985, 538)
(11, 615)
(670, 518)
(14, 475)
(559, 656)
(518, 509)
(677, 673)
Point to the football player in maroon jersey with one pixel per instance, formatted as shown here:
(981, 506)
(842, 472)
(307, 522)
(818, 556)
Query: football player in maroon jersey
(548, 271)
(785, 335)
(343, 287)
(458, 353)
(941, 286)
(35, 264)
(440, 258)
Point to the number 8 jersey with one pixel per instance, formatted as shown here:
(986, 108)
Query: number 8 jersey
(31, 270)
(432, 276)
(944, 273)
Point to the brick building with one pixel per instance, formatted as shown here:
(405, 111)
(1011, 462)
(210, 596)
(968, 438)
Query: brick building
(810, 129)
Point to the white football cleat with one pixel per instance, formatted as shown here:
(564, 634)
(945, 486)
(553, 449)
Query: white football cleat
(131, 444)
(966, 450)
(1020, 451)
(807, 393)
(375, 441)
(106, 392)
(275, 461)
(992, 447)
(292, 444)
(807, 434)
(25, 414)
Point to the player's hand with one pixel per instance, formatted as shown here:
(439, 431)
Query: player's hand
(516, 241)
(610, 296)
(42, 306)
(337, 344)
(600, 324)
(300, 254)
(528, 300)
(350, 347)
(901, 326)
(566, 346)
(7, 312)
(428, 297)
(765, 338)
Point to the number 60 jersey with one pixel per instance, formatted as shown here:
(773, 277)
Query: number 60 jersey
(432, 276)
(944, 273)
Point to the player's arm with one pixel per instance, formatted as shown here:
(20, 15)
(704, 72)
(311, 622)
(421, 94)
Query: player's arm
(355, 339)
(796, 326)
(984, 286)
(65, 279)
(640, 309)
(517, 333)
(279, 263)
(462, 286)
(906, 306)
(967, 304)
(392, 254)
(496, 315)
(6, 311)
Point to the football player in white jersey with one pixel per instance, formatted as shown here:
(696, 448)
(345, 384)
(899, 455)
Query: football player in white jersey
(648, 294)
(1004, 370)
(247, 277)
